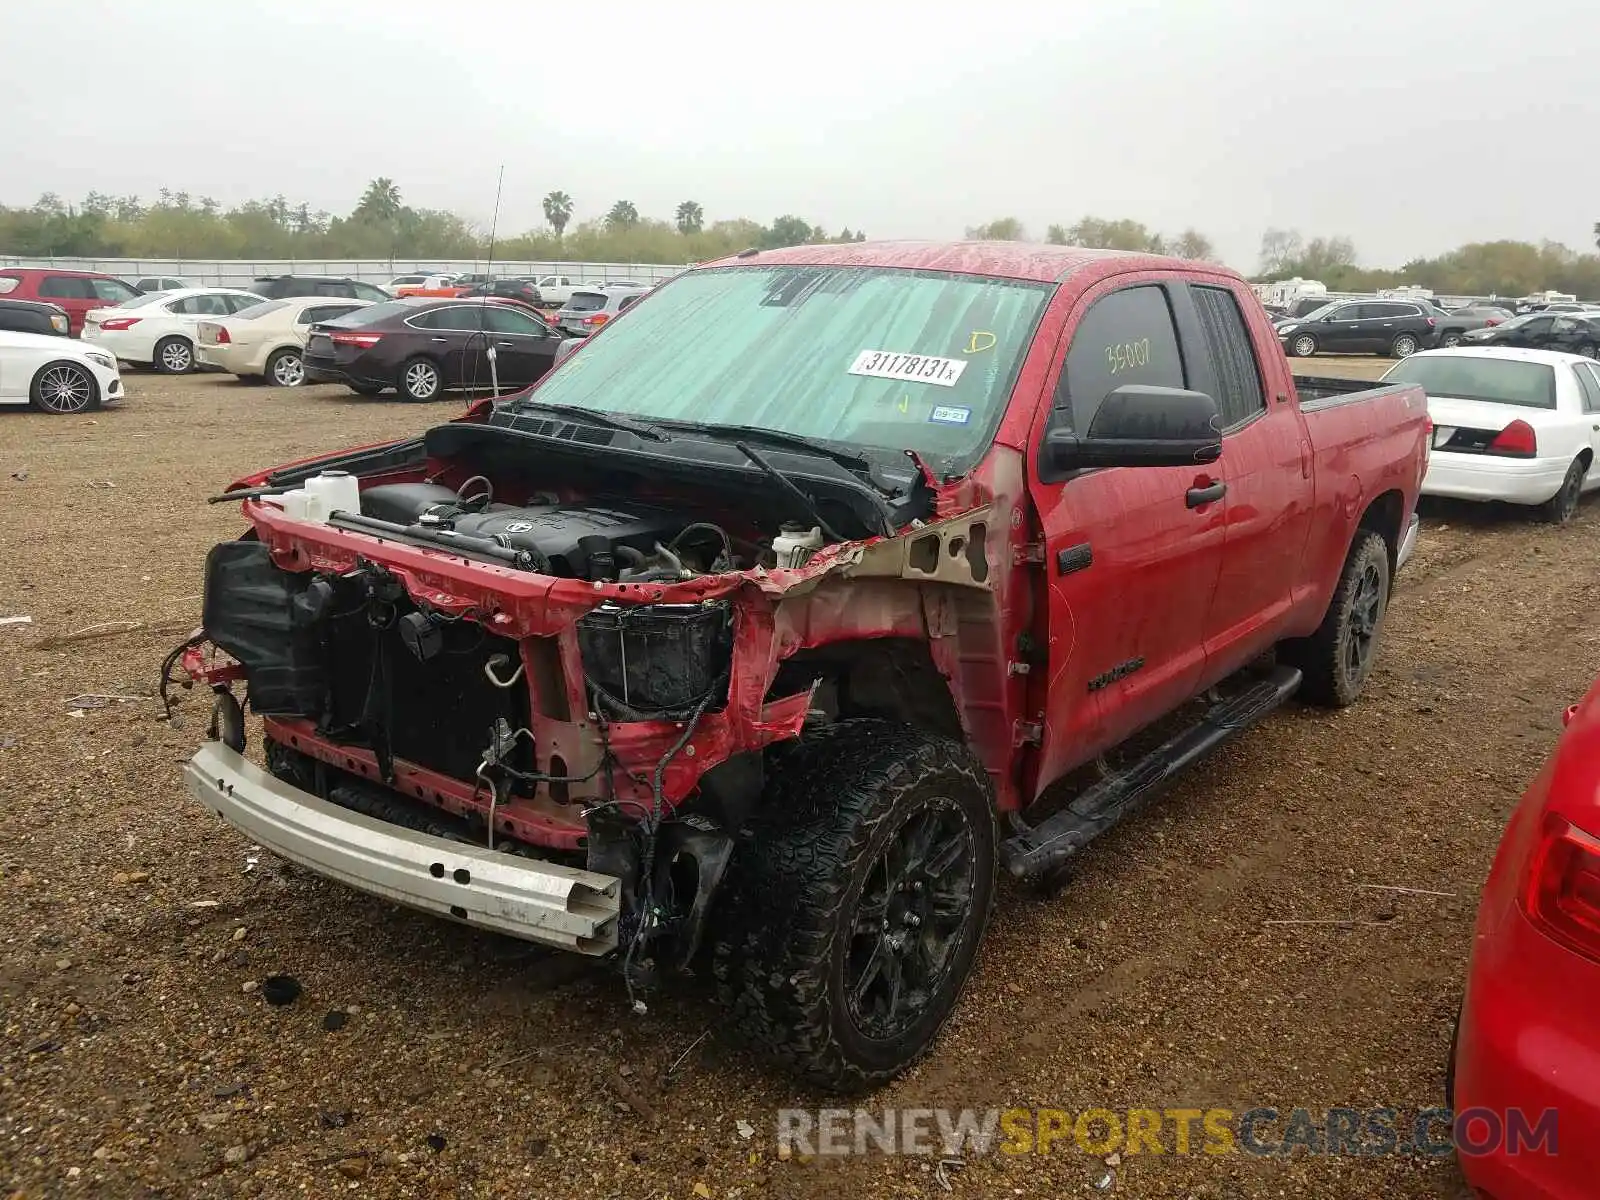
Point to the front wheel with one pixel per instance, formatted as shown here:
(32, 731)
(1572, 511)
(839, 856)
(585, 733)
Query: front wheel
(1303, 346)
(856, 902)
(285, 368)
(1451, 338)
(1336, 659)
(63, 388)
(174, 356)
(420, 380)
(1404, 346)
(1559, 509)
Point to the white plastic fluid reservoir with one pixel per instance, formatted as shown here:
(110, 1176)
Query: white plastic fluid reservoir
(303, 506)
(336, 491)
(794, 545)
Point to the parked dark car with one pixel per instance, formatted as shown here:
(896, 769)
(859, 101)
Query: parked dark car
(424, 346)
(1398, 328)
(34, 316)
(1573, 333)
(1307, 305)
(508, 289)
(286, 287)
(1454, 324)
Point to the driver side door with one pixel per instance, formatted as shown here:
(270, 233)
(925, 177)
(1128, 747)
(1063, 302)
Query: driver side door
(1132, 555)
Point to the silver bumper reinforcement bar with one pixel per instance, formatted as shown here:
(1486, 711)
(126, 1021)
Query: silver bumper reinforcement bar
(538, 901)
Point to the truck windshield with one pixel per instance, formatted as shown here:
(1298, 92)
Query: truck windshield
(1475, 377)
(874, 357)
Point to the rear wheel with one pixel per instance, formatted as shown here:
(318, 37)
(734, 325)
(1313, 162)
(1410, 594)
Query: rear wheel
(63, 388)
(1336, 659)
(856, 902)
(174, 356)
(285, 369)
(1403, 346)
(419, 380)
(1303, 346)
(1559, 509)
(1588, 350)
(1452, 337)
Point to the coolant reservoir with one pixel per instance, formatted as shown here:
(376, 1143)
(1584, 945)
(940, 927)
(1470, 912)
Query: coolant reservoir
(795, 544)
(334, 491)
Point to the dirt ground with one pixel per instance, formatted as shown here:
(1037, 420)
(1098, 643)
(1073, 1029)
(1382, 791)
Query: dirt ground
(137, 1057)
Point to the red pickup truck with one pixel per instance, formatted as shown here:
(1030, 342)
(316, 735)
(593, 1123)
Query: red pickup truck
(822, 583)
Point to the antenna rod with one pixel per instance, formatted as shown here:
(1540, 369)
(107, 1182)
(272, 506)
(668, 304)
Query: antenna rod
(494, 224)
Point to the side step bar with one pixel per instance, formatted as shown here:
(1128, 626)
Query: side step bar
(1034, 851)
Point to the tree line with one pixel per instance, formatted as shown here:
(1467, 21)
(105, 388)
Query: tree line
(380, 226)
(179, 225)
(1500, 268)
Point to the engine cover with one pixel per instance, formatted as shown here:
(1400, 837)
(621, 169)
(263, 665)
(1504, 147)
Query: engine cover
(555, 531)
(550, 531)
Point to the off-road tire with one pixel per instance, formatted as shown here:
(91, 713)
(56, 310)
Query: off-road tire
(792, 909)
(174, 356)
(1332, 677)
(1559, 509)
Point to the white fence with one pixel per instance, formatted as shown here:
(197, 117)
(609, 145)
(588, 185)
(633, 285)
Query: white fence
(211, 272)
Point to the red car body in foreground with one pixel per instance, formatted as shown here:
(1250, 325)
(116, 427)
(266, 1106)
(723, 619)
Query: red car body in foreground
(1529, 1039)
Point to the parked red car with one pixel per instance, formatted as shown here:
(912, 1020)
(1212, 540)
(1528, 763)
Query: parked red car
(764, 621)
(1528, 1043)
(75, 291)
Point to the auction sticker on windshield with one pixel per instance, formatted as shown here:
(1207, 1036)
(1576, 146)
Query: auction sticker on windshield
(912, 368)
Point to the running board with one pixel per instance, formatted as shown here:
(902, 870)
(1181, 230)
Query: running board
(1035, 851)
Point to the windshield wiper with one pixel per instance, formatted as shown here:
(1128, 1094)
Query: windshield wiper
(610, 420)
(797, 441)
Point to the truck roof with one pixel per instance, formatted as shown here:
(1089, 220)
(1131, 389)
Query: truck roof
(1005, 260)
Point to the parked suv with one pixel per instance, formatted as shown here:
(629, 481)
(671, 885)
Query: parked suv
(588, 310)
(1398, 328)
(285, 287)
(34, 316)
(75, 291)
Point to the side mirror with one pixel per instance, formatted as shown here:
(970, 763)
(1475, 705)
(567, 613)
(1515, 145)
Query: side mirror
(1140, 425)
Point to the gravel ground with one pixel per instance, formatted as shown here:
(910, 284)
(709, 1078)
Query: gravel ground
(137, 1057)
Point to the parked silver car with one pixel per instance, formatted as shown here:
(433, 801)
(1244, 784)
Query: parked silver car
(590, 308)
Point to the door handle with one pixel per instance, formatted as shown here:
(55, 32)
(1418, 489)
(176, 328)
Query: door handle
(438, 339)
(1196, 496)
(507, 345)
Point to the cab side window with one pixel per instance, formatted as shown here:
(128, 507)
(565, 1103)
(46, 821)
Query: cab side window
(1240, 395)
(1126, 337)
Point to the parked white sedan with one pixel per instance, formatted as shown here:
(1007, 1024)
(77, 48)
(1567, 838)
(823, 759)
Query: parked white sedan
(1522, 426)
(56, 374)
(267, 339)
(159, 330)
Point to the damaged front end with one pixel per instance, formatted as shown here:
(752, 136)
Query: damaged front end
(544, 711)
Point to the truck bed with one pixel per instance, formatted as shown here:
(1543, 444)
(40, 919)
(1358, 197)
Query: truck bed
(1326, 391)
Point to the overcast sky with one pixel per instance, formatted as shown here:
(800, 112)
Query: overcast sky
(1408, 127)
